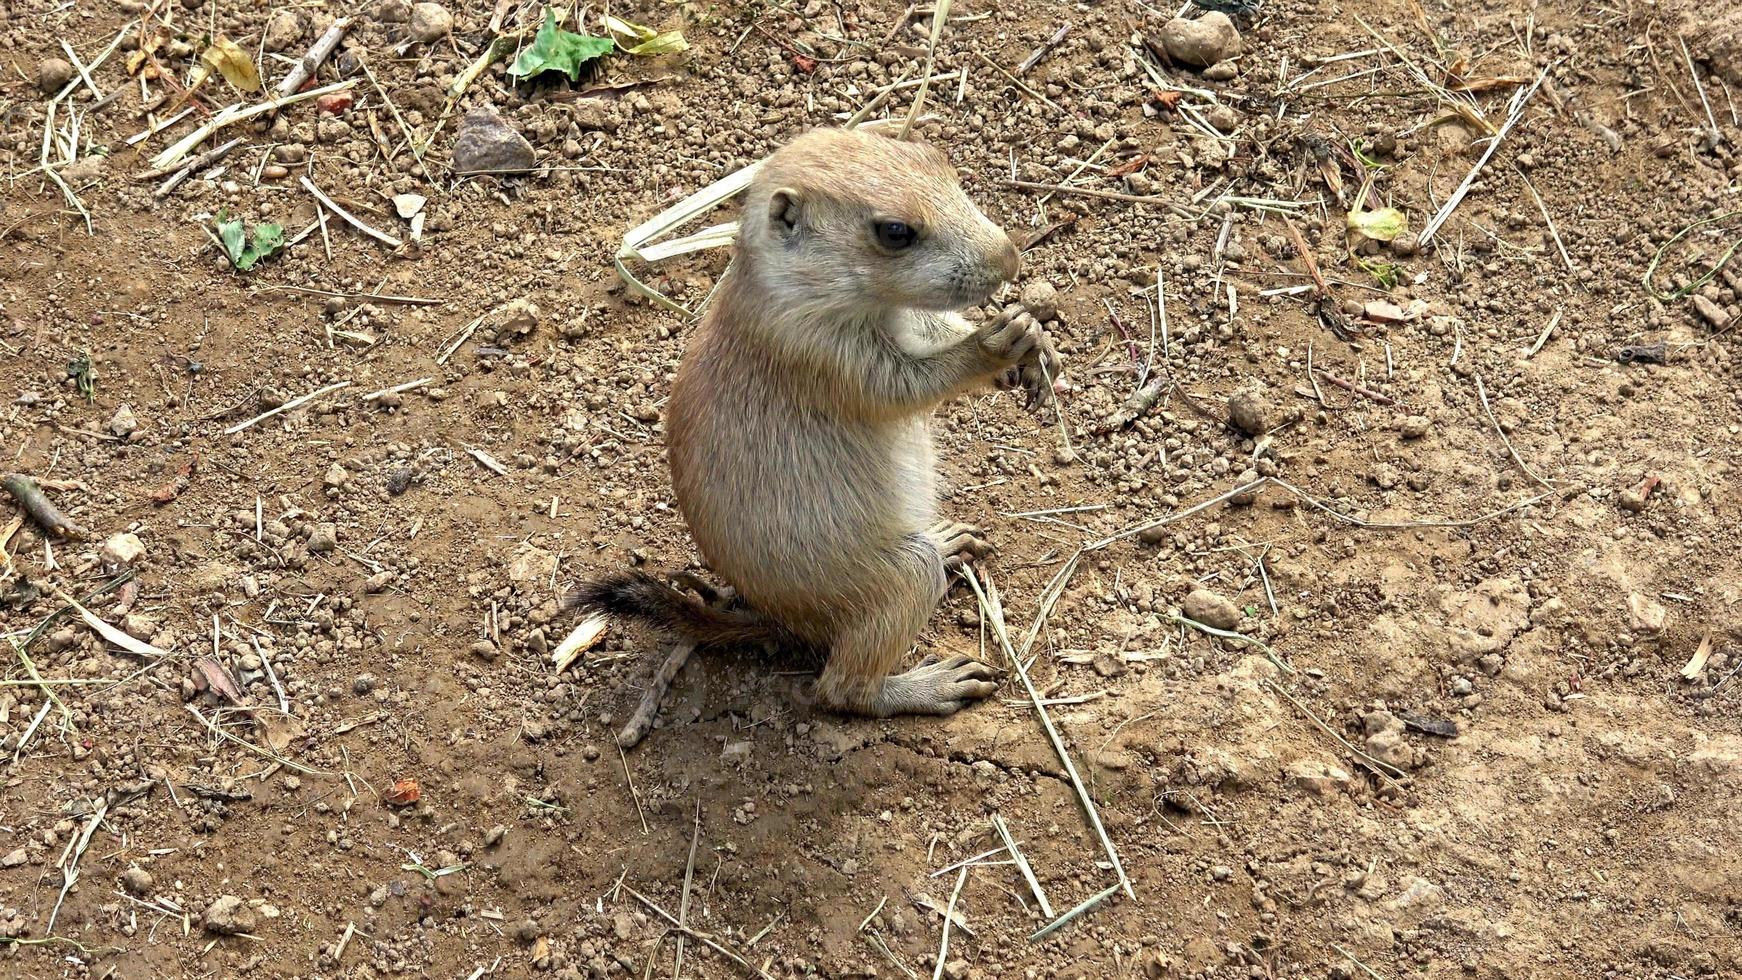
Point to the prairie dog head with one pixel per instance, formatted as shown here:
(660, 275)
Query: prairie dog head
(842, 219)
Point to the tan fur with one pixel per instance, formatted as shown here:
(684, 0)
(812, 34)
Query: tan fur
(798, 424)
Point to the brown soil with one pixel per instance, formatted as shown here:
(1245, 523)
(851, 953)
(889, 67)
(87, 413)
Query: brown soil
(1581, 822)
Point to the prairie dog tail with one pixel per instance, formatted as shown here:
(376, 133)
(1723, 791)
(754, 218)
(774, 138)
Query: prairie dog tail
(638, 595)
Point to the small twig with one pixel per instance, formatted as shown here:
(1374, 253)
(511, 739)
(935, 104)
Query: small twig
(1063, 920)
(1237, 638)
(1384, 769)
(949, 916)
(188, 166)
(1307, 259)
(230, 115)
(317, 53)
(1515, 112)
(940, 15)
(632, 793)
(397, 389)
(1542, 206)
(1045, 48)
(641, 721)
(1717, 137)
(1022, 864)
(287, 406)
(1482, 393)
(350, 219)
(683, 905)
(1351, 386)
(1030, 185)
(250, 746)
(76, 850)
(994, 610)
(272, 676)
(378, 297)
(41, 510)
(1542, 339)
(1019, 83)
(700, 937)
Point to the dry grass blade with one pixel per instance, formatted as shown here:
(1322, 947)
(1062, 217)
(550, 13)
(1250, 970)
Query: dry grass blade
(1515, 112)
(1064, 920)
(689, 875)
(1022, 865)
(231, 115)
(1482, 393)
(949, 916)
(287, 406)
(940, 16)
(993, 609)
(700, 937)
(110, 633)
(250, 746)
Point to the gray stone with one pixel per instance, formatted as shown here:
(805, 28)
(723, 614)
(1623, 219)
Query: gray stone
(486, 144)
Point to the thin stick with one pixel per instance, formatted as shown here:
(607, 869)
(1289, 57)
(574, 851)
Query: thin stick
(1514, 113)
(1351, 957)
(949, 916)
(1063, 920)
(1255, 485)
(867, 920)
(250, 746)
(1717, 137)
(1019, 83)
(1543, 338)
(1354, 388)
(465, 334)
(1086, 164)
(995, 612)
(1236, 637)
(311, 62)
(1482, 393)
(41, 510)
(397, 389)
(1384, 769)
(271, 675)
(1022, 863)
(76, 850)
(700, 937)
(97, 93)
(683, 905)
(350, 219)
(230, 115)
(641, 722)
(1553, 232)
(1320, 505)
(940, 16)
(632, 794)
(1092, 192)
(380, 297)
(287, 406)
(417, 151)
(209, 157)
(1046, 47)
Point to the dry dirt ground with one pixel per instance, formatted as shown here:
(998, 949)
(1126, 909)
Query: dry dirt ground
(1500, 542)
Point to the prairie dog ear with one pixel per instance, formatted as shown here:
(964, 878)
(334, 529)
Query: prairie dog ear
(784, 212)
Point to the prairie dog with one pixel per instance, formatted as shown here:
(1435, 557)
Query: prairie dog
(798, 425)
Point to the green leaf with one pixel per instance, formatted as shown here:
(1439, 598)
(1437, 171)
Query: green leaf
(1381, 225)
(230, 234)
(268, 241)
(554, 49)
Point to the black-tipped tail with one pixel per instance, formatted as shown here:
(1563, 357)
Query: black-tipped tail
(638, 595)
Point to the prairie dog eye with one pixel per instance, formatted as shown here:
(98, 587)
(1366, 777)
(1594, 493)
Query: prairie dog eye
(895, 235)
